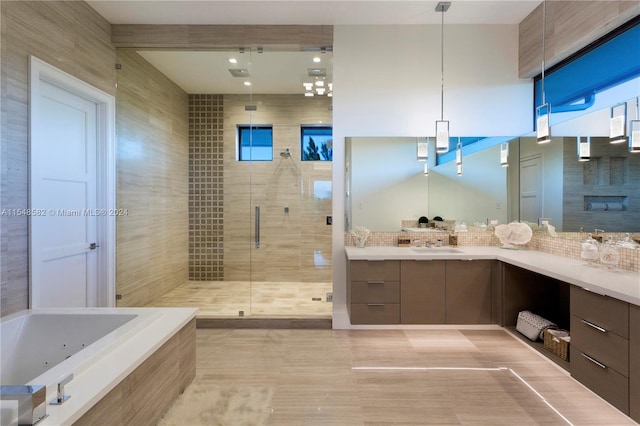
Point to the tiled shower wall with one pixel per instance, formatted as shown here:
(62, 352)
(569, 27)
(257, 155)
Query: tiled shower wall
(206, 253)
(152, 173)
(612, 175)
(223, 193)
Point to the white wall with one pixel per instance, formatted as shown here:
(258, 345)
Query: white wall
(387, 183)
(479, 194)
(400, 96)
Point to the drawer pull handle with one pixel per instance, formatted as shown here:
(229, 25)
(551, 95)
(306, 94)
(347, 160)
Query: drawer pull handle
(598, 363)
(375, 282)
(375, 304)
(592, 325)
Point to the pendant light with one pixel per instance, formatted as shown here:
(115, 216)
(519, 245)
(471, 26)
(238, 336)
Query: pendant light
(584, 148)
(422, 150)
(543, 112)
(618, 124)
(634, 130)
(459, 157)
(504, 154)
(442, 125)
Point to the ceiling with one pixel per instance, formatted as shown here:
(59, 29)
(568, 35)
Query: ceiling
(283, 72)
(310, 12)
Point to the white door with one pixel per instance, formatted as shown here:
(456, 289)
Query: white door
(63, 205)
(531, 189)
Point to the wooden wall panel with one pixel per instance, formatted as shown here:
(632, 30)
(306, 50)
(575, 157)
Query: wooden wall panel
(153, 148)
(222, 36)
(570, 26)
(74, 38)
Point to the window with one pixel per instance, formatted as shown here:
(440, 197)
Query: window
(317, 143)
(603, 73)
(255, 143)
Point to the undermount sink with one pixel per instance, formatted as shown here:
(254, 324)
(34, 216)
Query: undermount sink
(435, 250)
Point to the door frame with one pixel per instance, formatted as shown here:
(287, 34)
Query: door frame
(105, 170)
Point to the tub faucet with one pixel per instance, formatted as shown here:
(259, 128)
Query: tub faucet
(32, 406)
(60, 396)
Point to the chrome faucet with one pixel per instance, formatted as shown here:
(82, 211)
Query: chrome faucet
(32, 406)
(60, 396)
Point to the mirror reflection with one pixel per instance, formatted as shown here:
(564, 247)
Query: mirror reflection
(386, 184)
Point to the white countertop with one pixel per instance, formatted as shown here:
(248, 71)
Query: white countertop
(617, 283)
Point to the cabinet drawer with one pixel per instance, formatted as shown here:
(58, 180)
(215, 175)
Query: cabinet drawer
(367, 270)
(375, 292)
(608, 348)
(384, 313)
(606, 312)
(606, 382)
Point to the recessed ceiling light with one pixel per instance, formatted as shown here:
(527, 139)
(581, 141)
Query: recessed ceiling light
(233, 61)
(247, 83)
(316, 59)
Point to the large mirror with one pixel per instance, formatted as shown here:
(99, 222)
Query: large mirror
(386, 184)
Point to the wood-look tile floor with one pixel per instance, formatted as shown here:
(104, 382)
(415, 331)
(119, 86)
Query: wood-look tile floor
(430, 377)
(227, 298)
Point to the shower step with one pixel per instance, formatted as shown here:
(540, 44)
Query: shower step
(265, 323)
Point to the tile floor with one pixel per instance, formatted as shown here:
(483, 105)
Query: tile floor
(227, 298)
(399, 377)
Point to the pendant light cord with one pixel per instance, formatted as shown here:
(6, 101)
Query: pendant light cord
(544, 31)
(442, 66)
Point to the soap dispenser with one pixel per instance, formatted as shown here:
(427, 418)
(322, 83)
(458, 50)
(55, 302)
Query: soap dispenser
(590, 251)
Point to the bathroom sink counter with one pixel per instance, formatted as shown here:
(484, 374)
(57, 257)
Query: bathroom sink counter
(620, 284)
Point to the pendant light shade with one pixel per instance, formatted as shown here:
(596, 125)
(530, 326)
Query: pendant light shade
(459, 157)
(584, 148)
(504, 154)
(422, 150)
(618, 124)
(442, 137)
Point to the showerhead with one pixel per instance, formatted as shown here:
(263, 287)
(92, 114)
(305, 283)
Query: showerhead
(286, 153)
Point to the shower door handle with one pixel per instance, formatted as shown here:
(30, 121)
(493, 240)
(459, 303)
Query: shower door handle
(257, 227)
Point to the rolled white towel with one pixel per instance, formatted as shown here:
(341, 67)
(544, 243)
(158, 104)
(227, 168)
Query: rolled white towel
(614, 206)
(597, 206)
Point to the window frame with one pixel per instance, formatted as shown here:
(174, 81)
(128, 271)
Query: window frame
(241, 128)
(303, 146)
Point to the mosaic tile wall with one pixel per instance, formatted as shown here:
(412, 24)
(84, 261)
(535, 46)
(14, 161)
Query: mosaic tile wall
(206, 253)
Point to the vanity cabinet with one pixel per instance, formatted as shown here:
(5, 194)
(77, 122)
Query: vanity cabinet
(468, 291)
(373, 291)
(422, 291)
(634, 362)
(600, 345)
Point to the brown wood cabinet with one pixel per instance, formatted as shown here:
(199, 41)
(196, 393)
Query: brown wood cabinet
(634, 362)
(422, 293)
(600, 345)
(468, 291)
(373, 291)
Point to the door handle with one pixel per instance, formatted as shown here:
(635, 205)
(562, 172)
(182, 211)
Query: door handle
(257, 227)
(93, 246)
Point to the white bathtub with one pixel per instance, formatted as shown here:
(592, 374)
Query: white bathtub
(100, 346)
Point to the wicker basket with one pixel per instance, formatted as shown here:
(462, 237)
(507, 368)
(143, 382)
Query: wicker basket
(555, 345)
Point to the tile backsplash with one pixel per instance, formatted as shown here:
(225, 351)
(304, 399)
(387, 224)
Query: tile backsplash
(567, 245)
